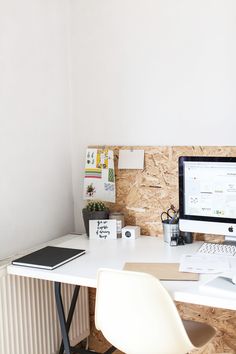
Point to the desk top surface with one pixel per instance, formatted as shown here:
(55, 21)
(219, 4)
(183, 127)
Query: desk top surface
(115, 253)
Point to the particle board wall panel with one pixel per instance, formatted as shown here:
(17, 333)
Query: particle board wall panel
(143, 194)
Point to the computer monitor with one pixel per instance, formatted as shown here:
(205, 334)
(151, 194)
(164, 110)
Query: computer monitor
(207, 195)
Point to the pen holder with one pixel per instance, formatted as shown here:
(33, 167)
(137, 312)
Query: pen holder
(170, 232)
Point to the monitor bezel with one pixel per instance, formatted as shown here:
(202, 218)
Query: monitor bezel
(184, 216)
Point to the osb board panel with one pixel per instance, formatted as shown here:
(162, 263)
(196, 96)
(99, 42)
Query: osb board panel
(142, 195)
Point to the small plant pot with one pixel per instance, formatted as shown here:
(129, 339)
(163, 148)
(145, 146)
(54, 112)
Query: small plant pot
(93, 215)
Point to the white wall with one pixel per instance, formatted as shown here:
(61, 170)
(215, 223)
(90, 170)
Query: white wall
(152, 72)
(36, 201)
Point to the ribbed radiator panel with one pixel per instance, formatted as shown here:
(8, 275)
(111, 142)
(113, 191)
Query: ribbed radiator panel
(28, 317)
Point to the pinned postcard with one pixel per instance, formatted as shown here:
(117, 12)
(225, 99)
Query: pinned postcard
(99, 178)
(131, 159)
(103, 229)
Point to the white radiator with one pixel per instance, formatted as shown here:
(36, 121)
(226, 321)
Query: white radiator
(28, 317)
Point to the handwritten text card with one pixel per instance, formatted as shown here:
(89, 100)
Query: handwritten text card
(102, 229)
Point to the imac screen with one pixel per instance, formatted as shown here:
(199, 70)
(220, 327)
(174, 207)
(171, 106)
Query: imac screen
(207, 190)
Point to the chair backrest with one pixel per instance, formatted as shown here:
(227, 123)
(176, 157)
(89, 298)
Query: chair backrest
(136, 314)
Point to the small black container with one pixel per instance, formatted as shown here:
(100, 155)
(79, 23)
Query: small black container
(187, 236)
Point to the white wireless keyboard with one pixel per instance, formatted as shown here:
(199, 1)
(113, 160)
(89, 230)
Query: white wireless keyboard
(217, 248)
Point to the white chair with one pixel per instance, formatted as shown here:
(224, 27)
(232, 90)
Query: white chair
(137, 315)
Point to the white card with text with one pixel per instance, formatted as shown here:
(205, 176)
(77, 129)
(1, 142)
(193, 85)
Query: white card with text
(102, 229)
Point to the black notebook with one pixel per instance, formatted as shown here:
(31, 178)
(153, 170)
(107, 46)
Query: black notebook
(49, 257)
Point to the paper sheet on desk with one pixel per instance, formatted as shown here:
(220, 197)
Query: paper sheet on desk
(204, 263)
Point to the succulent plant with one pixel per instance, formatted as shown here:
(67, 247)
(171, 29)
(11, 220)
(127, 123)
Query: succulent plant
(96, 206)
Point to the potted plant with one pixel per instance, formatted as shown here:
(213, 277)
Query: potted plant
(95, 210)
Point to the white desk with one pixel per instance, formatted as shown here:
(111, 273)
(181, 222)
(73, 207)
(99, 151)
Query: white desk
(114, 254)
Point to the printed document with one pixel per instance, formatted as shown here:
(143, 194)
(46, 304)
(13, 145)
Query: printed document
(205, 263)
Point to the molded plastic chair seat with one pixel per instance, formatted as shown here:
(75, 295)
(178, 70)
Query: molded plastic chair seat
(137, 315)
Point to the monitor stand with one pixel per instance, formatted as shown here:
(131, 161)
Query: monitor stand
(230, 240)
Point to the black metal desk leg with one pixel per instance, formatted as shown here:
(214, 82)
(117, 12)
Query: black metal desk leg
(70, 314)
(65, 325)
